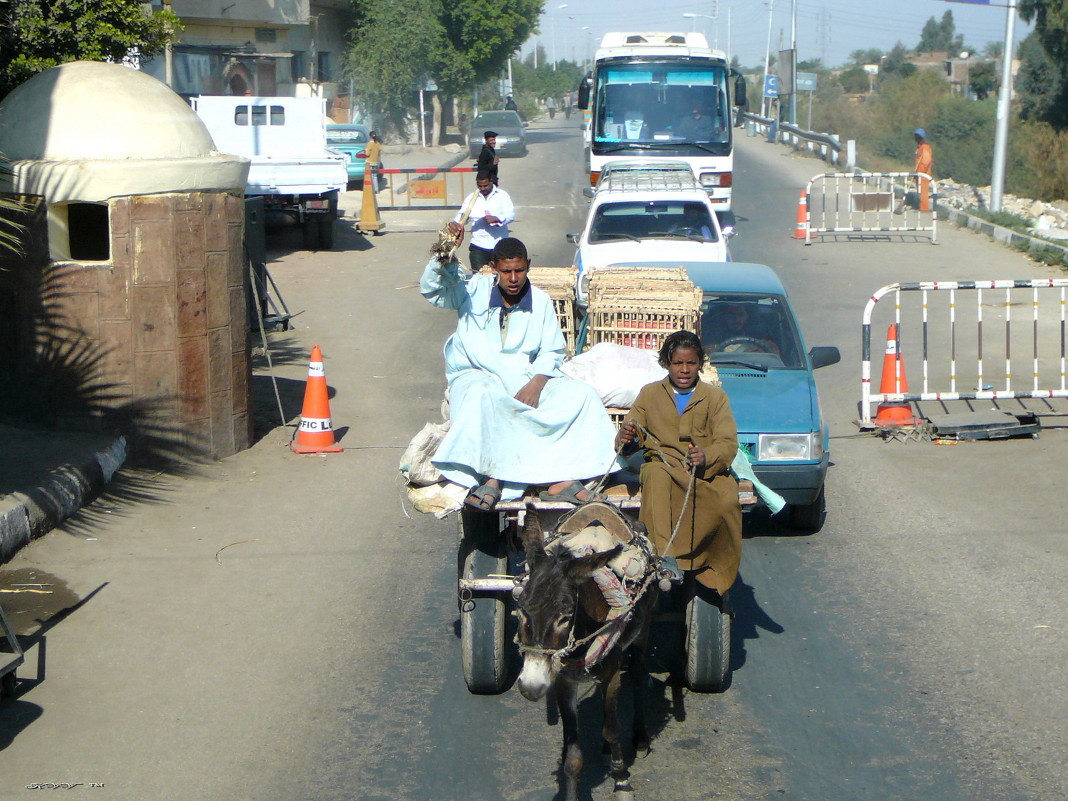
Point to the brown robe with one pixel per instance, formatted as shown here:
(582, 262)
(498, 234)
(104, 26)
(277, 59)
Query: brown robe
(709, 541)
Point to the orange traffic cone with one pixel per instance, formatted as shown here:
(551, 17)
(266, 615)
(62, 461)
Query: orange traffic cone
(316, 432)
(894, 413)
(801, 231)
(370, 219)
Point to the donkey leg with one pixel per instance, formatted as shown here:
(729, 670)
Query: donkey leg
(567, 703)
(639, 679)
(620, 775)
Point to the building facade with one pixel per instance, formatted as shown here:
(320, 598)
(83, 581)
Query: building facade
(265, 48)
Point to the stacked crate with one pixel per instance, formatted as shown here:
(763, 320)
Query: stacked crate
(639, 306)
(559, 284)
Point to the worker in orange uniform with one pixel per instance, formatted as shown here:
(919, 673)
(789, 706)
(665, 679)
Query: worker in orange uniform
(920, 198)
(924, 164)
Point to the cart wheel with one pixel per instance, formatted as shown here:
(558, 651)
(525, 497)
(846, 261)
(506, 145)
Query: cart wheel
(8, 685)
(310, 233)
(326, 234)
(708, 644)
(483, 617)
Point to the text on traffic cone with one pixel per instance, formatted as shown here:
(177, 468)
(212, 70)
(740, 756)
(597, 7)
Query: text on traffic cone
(316, 431)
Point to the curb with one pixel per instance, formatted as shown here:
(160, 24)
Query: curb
(32, 513)
(1004, 236)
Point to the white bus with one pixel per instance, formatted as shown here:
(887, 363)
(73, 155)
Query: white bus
(663, 95)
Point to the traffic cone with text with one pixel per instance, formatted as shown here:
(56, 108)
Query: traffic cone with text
(316, 431)
(894, 413)
(801, 230)
(370, 219)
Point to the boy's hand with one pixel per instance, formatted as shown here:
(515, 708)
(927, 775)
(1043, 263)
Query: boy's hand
(696, 456)
(627, 433)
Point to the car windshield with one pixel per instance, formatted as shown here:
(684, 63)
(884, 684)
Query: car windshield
(346, 137)
(497, 119)
(668, 219)
(754, 330)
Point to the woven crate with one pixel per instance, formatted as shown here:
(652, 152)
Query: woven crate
(639, 307)
(559, 284)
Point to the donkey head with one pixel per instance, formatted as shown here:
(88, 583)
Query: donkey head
(548, 605)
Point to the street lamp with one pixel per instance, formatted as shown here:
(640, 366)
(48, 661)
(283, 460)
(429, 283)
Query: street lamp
(552, 31)
(586, 53)
(692, 16)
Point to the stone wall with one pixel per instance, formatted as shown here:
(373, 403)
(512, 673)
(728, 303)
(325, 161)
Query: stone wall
(167, 312)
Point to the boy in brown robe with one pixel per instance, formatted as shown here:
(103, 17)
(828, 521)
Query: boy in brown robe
(685, 425)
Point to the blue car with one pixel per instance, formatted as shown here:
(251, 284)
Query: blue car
(753, 340)
(351, 141)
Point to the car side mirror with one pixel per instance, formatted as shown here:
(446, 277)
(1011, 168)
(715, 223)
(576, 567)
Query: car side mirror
(728, 232)
(572, 238)
(821, 356)
(526, 124)
(588, 191)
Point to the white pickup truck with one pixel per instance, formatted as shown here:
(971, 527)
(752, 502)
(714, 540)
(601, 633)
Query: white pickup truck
(292, 169)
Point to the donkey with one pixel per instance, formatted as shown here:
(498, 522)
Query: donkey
(559, 610)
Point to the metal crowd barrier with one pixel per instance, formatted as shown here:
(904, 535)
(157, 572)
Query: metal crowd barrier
(868, 203)
(432, 189)
(1038, 342)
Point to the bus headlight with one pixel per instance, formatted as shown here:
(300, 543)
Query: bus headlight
(789, 447)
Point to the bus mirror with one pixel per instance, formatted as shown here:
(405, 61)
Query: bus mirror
(584, 93)
(739, 91)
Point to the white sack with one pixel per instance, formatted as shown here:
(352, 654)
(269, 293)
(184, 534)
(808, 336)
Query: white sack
(617, 372)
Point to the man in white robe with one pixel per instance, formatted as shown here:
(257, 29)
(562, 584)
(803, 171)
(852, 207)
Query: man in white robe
(516, 420)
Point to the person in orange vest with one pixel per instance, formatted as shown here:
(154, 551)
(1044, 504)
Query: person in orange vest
(924, 164)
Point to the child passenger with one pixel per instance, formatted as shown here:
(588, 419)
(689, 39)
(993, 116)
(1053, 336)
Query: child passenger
(683, 425)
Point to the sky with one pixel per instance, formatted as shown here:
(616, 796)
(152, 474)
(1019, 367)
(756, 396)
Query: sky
(826, 29)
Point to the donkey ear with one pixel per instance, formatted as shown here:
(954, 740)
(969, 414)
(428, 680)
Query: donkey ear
(585, 565)
(531, 535)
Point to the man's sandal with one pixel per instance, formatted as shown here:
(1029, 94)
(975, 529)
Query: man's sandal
(570, 493)
(484, 498)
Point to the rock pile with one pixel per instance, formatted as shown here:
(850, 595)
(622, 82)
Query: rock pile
(1048, 220)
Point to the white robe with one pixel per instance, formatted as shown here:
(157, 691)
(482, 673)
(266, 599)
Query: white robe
(569, 436)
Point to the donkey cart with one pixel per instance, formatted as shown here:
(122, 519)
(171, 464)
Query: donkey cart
(489, 564)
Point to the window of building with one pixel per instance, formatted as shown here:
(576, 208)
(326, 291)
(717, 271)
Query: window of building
(266, 35)
(326, 67)
(79, 232)
(299, 65)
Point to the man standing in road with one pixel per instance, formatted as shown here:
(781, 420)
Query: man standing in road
(490, 210)
(487, 157)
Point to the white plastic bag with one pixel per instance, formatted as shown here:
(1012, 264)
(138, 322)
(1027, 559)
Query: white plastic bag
(415, 463)
(617, 372)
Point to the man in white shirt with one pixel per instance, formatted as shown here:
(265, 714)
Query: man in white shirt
(490, 210)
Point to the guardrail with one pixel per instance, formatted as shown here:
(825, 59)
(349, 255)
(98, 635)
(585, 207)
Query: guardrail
(422, 191)
(827, 146)
(1040, 341)
(836, 207)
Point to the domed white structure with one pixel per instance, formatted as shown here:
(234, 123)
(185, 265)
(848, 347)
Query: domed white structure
(133, 245)
(89, 131)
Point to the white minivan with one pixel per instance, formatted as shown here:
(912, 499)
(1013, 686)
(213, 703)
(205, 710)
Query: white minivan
(647, 215)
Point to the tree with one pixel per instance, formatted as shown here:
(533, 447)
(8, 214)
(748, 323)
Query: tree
(1040, 85)
(38, 34)
(982, 79)
(858, 58)
(456, 43)
(1050, 80)
(855, 81)
(939, 36)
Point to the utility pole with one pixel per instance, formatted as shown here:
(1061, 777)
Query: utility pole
(767, 61)
(793, 65)
(1001, 134)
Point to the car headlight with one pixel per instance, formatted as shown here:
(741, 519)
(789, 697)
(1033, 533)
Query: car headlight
(789, 447)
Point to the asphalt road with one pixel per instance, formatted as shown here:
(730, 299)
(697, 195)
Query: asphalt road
(277, 627)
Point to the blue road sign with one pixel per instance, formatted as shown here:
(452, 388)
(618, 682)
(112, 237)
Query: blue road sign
(771, 86)
(806, 82)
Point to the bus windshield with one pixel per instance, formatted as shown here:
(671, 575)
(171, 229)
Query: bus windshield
(662, 104)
